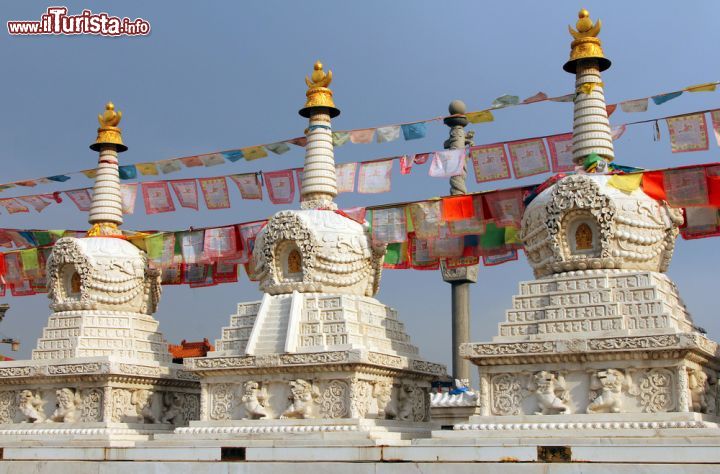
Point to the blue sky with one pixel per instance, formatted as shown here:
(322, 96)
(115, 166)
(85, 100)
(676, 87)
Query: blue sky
(222, 75)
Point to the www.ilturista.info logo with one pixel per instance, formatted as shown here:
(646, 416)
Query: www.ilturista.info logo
(57, 22)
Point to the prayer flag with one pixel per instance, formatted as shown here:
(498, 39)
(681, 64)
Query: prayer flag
(186, 192)
(617, 132)
(490, 163)
(481, 116)
(168, 166)
(396, 256)
(13, 268)
(413, 131)
(249, 185)
(127, 172)
(278, 148)
(528, 157)
(128, 193)
(213, 159)
(505, 101)
(91, 174)
(22, 288)
(254, 153)
(192, 161)
(388, 134)
(299, 177)
(375, 177)
(662, 98)
(196, 274)
(470, 226)
(36, 202)
(81, 198)
(225, 272)
(610, 109)
(686, 187)
(215, 192)
(540, 96)
(448, 163)
(713, 184)
(626, 182)
(506, 207)
(61, 178)
(30, 262)
(172, 274)
(389, 225)
(280, 186)
(715, 115)
(457, 208)
(457, 262)
(446, 245)
(638, 105)
(406, 163)
(426, 218)
(192, 244)
(362, 136)
(563, 98)
(340, 138)
(156, 196)
(498, 258)
(653, 184)
(700, 222)
(220, 242)
(235, 155)
(561, 152)
(355, 213)
(345, 174)
(147, 169)
(420, 258)
(707, 87)
(248, 232)
(688, 133)
(421, 158)
(299, 141)
(154, 246)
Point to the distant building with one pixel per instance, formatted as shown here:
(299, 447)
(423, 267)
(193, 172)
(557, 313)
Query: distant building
(189, 349)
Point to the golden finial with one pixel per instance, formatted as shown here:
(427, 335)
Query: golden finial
(585, 27)
(318, 94)
(109, 133)
(109, 118)
(586, 44)
(319, 78)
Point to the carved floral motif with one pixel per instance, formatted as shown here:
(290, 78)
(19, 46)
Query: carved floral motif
(656, 391)
(333, 401)
(222, 401)
(506, 394)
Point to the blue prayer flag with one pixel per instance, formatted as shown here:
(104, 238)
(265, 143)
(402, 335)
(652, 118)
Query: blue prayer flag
(127, 172)
(233, 156)
(661, 99)
(61, 178)
(412, 131)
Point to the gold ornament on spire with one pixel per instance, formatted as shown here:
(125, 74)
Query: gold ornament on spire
(109, 133)
(318, 94)
(586, 44)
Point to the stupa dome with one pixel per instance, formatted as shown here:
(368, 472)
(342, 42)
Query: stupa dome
(582, 223)
(311, 251)
(101, 273)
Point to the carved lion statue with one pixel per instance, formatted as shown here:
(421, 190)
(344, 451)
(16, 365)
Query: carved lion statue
(382, 391)
(253, 399)
(31, 406)
(608, 385)
(172, 409)
(303, 395)
(405, 402)
(66, 410)
(142, 399)
(551, 392)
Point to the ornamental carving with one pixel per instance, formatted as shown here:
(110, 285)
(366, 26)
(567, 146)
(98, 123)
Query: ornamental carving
(173, 410)
(8, 407)
(702, 390)
(190, 407)
(222, 398)
(122, 406)
(141, 370)
(360, 396)
(644, 342)
(314, 358)
(406, 402)
(382, 392)
(420, 405)
(655, 390)
(91, 406)
(67, 406)
(385, 359)
(507, 394)
(142, 400)
(72, 369)
(513, 348)
(17, 371)
(67, 253)
(222, 362)
(333, 401)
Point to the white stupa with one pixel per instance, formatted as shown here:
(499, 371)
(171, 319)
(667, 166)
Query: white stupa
(101, 368)
(318, 352)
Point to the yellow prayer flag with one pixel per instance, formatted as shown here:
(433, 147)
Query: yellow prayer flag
(253, 153)
(147, 169)
(707, 87)
(479, 117)
(625, 182)
(90, 173)
(587, 87)
(511, 235)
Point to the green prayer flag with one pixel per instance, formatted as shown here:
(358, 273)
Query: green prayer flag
(396, 253)
(494, 237)
(154, 245)
(29, 259)
(511, 236)
(42, 238)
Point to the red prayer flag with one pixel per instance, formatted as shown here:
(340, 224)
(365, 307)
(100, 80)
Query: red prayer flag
(186, 192)
(457, 208)
(653, 183)
(280, 186)
(156, 196)
(215, 192)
